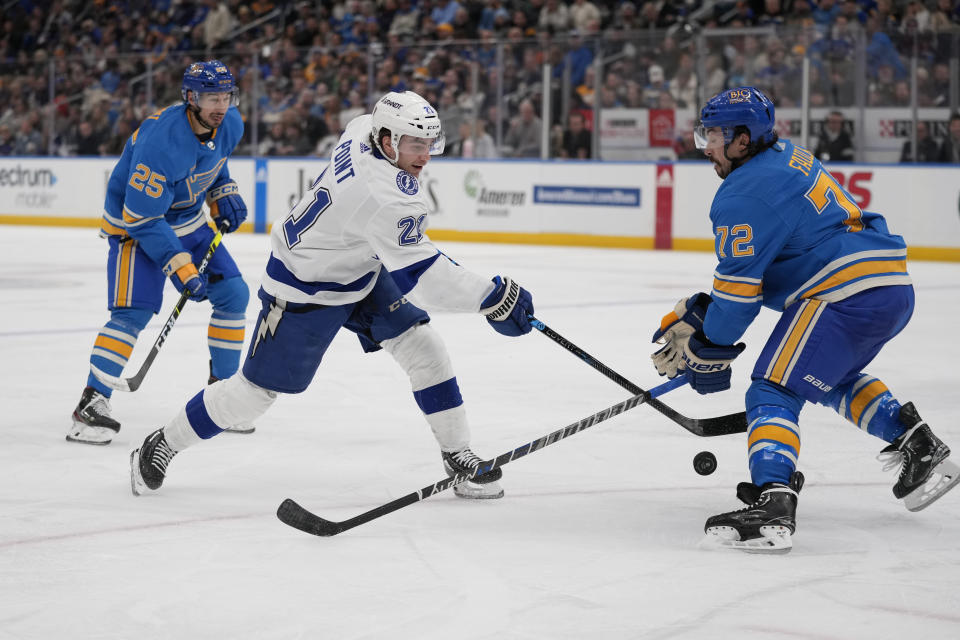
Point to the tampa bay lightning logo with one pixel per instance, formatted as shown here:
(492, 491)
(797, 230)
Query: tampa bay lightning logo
(407, 183)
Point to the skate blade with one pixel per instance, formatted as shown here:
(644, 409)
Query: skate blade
(945, 476)
(474, 491)
(241, 428)
(86, 434)
(137, 485)
(773, 540)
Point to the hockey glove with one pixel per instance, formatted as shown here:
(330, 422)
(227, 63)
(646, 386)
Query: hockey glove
(507, 307)
(226, 204)
(708, 364)
(681, 323)
(184, 276)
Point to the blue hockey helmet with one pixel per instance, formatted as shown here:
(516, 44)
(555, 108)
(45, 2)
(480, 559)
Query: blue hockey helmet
(209, 77)
(746, 106)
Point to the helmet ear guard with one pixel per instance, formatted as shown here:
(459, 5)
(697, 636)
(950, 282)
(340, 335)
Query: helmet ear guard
(406, 114)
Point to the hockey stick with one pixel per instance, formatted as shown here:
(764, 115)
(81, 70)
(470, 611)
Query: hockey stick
(704, 427)
(133, 383)
(293, 514)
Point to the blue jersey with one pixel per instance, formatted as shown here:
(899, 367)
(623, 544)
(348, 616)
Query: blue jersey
(156, 191)
(785, 230)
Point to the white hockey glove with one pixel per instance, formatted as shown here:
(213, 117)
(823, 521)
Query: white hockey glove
(674, 332)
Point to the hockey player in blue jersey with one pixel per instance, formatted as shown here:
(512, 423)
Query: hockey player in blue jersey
(156, 228)
(789, 237)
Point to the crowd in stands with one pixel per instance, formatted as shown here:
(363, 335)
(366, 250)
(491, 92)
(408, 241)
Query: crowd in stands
(77, 77)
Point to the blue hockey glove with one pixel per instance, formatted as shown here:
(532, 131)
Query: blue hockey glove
(708, 364)
(507, 307)
(678, 325)
(183, 274)
(226, 204)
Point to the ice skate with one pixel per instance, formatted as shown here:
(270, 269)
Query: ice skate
(237, 428)
(486, 486)
(764, 526)
(926, 473)
(148, 464)
(92, 423)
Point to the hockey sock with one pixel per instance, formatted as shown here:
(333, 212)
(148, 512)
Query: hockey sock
(868, 404)
(421, 353)
(114, 344)
(225, 404)
(225, 339)
(774, 444)
(442, 407)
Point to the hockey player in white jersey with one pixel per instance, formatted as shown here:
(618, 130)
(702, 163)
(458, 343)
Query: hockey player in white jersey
(353, 253)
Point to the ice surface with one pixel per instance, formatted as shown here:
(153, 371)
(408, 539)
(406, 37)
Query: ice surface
(597, 535)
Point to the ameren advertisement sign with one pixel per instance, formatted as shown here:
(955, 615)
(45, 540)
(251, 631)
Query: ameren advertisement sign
(582, 199)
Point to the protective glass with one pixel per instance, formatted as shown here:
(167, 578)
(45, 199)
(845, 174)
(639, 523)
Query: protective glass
(420, 146)
(213, 100)
(703, 136)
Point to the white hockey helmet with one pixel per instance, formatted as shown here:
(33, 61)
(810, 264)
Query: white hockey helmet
(406, 114)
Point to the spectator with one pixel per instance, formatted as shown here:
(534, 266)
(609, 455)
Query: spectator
(88, 140)
(950, 148)
(554, 17)
(834, 144)
(584, 16)
(483, 144)
(523, 138)
(577, 142)
(217, 25)
(6, 141)
(927, 150)
(29, 140)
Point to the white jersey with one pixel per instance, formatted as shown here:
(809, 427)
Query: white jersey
(362, 214)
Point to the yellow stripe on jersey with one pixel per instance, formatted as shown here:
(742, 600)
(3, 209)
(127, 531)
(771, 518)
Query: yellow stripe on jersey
(792, 343)
(117, 346)
(859, 270)
(863, 398)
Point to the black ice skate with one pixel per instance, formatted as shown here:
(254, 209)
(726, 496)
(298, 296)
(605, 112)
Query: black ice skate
(765, 526)
(148, 464)
(484, 486)
(925, 472)
(92, 423)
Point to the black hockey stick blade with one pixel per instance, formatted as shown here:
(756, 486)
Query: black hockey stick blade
(133, 383)
(703, 427)
(294, 515)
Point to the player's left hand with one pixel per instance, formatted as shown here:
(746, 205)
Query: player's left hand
(708, 364)
(226, 204)
(507, 307)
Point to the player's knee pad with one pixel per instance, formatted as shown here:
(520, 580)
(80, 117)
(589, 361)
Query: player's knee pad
(869, 405)
(131, 318)
(422, 354)
(230, 295)
(227, 403)
(773, 432)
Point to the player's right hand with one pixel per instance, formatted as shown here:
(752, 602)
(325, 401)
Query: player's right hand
(675, 329)
(186, 277)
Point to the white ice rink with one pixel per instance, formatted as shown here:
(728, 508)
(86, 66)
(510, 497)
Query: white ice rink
(596, 537)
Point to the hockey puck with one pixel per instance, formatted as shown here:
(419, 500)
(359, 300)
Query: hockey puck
(704, 463)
